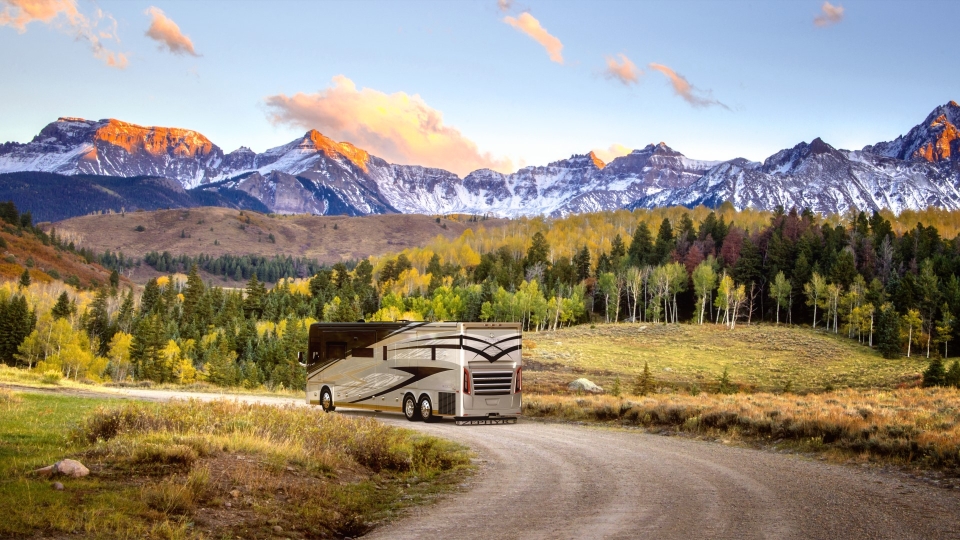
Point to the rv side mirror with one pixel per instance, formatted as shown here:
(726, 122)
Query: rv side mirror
(300, 357)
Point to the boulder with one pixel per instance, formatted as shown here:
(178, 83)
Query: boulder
(585, 385)
(66, 467)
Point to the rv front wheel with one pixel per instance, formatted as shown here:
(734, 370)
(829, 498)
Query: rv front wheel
(326, 401)
(426, 409)
(410, 409)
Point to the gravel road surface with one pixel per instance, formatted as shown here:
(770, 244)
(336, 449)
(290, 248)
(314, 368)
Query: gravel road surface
(544, 480)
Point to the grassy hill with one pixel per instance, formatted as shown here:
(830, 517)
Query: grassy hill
(758, 357)
(220, 231)
(46, 263)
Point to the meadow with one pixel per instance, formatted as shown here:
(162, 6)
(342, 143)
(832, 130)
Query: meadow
(807, 390)
(758, 358)
(209, 470)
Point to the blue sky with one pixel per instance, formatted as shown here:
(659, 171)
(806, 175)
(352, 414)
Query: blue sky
(870, 75)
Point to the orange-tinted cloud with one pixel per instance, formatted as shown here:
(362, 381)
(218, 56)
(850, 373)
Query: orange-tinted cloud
(683, 88)
(624, 71)
(166, 32)
(530, 26)
(611, 153)
(400, 128)
(829, 14)
(64, 15)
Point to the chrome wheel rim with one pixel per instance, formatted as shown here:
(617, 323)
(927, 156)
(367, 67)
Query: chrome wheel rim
(409, 408)
(325, 400)
(425, 410)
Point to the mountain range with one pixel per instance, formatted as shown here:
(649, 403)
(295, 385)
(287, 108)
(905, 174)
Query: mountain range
(316, 175)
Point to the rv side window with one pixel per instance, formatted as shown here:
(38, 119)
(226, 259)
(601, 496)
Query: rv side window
(365, 352)
(336, 350)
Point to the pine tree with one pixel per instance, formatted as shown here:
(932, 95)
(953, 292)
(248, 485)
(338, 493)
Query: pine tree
(935, 374)
(253, 303)
(64, 307)
(617, 250)
(726, 385)
(888, 339)
(25, 278)
(641, 247)
(150, 297)
(17, 321)
(97, 322)
(581, 263)
(645, 383)
(952, 377)
(665, 243)
(114, 279)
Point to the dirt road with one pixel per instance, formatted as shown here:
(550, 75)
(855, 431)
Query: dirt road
(541, 480)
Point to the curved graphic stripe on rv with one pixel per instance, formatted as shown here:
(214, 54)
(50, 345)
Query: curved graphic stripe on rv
(419, 373)
(490, 356)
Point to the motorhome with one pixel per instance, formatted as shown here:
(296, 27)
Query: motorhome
(425, 370)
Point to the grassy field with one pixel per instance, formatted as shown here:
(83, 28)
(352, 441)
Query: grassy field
(209, 470)
(757, 357)
(915, 427)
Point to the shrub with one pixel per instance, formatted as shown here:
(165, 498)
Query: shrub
(51, 377)
(52, 272)
(139, 228)
(726, 386)
(8, 398)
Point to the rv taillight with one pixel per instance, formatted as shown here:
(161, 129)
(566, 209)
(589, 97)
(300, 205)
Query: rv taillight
(519, 380)
(466, 381)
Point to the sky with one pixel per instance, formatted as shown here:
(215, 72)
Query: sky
(487, 83)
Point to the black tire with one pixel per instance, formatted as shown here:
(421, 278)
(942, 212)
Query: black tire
(326, 400)
(426, 409)
(410, 409)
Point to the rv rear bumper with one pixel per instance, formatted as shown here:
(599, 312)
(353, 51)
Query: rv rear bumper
(485, 420)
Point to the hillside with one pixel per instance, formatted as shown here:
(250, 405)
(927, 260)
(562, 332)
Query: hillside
(758, 357)
(53, 197)
(221, 231)
(47, 263)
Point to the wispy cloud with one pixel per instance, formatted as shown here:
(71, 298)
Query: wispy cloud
(530, 26)
(504, 5)
(683, 88)
(399, 127)
(613, 152)
(829, 15)
(624, 71)
(64, 15)
(167, 33)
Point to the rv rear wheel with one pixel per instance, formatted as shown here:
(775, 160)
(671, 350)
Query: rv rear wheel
(326, 401)
(410, 409)
(426, 409)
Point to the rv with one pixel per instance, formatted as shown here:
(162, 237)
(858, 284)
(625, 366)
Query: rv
(469, 371)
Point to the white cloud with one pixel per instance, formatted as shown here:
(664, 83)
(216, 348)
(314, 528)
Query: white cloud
(829, 15)
(64, 15)
(530, 26)
(683, 88)
(399, 127)
(624, 71)
(167, 33)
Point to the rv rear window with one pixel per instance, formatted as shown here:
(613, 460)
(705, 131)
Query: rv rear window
(365, 352)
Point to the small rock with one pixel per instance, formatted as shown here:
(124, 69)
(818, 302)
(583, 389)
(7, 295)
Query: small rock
(585, 385)
(227, 504)
(277, 529)
(57, 486)
(235, 493)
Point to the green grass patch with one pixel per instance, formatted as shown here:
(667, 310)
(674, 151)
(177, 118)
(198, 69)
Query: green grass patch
(190, 469)
(758, 357)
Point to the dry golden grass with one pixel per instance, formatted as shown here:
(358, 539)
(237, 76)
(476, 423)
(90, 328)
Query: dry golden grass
(758, 357)
(210, 470)
(296, 235)
(915, 426)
